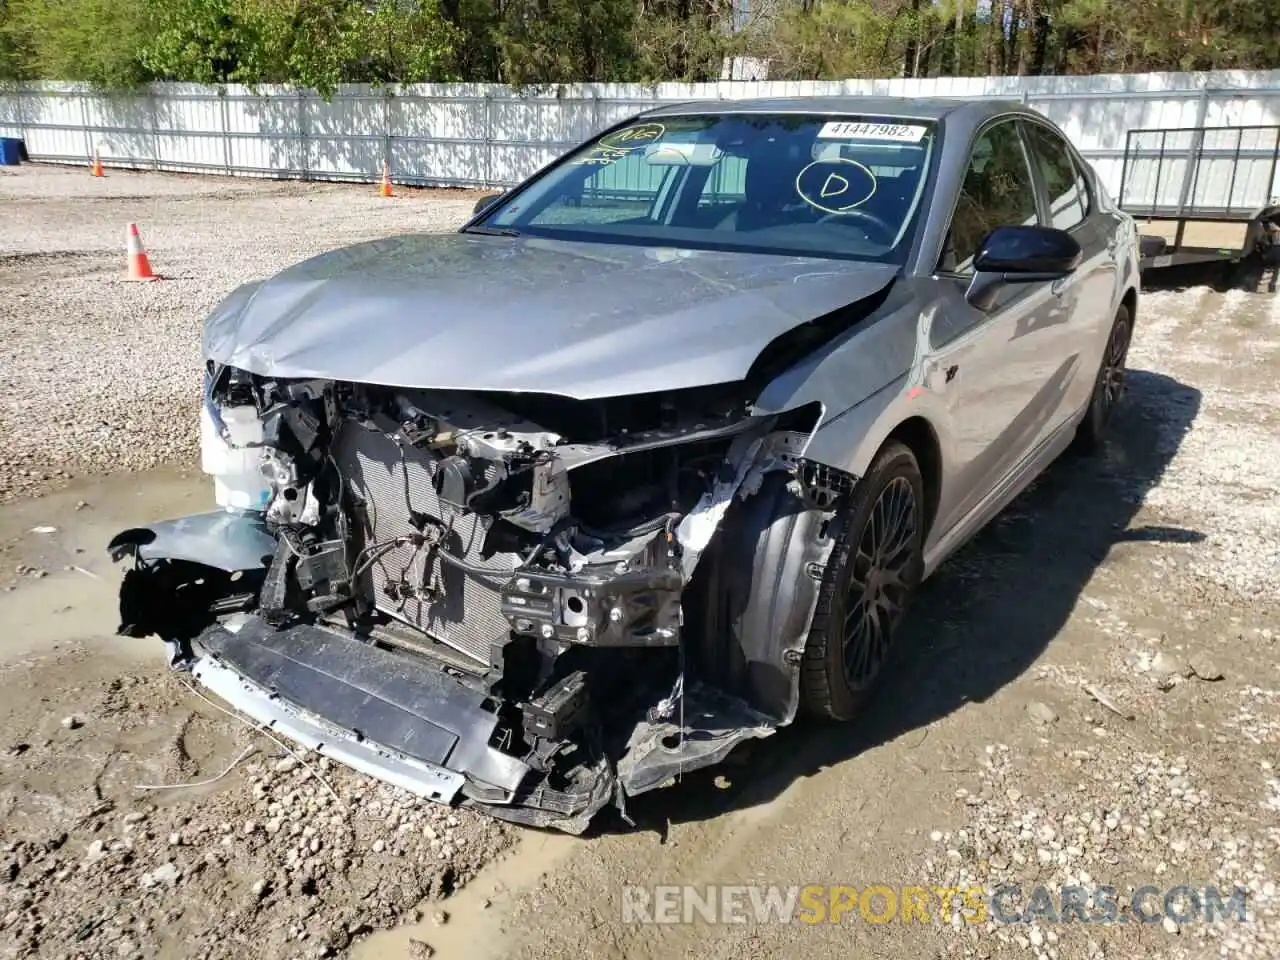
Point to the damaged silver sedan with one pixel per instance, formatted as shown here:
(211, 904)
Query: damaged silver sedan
(649, 457)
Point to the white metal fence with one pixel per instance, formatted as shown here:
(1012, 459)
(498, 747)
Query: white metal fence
(490, 135)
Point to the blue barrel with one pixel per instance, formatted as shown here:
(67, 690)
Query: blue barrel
(10, 151)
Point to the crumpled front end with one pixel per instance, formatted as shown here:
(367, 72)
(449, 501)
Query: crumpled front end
(509, 601)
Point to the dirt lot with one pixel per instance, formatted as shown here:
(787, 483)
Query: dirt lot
(1146, 579)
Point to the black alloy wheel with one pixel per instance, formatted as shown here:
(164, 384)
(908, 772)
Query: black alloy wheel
(875, 566)
(878, 583)
(1108, 389)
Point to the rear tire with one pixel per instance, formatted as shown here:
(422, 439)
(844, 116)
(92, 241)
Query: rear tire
(875, 567)
(1108, 385)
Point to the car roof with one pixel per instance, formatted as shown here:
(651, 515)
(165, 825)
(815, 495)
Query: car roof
(969, 112)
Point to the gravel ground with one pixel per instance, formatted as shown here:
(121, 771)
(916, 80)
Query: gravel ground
(137, 819)
(1178, 785)
(98, 374)
(140, 857)
(101, 376)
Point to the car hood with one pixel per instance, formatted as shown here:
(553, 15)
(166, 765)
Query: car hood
(464, 311)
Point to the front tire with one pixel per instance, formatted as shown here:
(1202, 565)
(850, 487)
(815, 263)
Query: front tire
(874, 569)
(1108, 386)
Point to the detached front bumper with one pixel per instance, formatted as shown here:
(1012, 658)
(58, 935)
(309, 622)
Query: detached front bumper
(411, 721)
(414, 725)
(314, 733)
(422, 730)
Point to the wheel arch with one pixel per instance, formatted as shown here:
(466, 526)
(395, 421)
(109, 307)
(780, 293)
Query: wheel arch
(918, 434)
(1130, 302)
(754, 595)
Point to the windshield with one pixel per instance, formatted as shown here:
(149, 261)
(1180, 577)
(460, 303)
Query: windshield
(848, 187)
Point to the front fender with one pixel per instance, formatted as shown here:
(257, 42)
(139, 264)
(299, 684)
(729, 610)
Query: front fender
(225, 540)
(187, 572)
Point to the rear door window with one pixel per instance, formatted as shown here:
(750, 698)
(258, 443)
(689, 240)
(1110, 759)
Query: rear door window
(1063, 182)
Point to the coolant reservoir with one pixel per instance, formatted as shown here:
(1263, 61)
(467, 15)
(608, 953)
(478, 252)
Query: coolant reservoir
(238, 483)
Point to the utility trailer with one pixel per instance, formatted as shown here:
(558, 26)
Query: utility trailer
(1202, 194)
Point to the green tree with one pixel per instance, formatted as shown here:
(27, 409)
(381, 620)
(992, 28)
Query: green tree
(316, 44)
(197, 41)
(13, 58)
(476, 27)
(834, 41)
(308, 43)
(681, 40)
(99, 41)
(564, 41)
(322, 43)
(402, 43)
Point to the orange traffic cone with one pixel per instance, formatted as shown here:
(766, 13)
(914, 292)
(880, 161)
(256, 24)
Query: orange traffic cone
(385, 189)
(96, 168)
(139, 265)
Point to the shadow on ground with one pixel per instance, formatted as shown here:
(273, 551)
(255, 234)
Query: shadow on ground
(986, 615)
(1259, 273)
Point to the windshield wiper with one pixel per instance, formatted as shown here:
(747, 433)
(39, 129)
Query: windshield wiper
(491, 231)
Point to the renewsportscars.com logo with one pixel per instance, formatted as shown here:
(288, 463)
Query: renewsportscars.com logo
(881, 903)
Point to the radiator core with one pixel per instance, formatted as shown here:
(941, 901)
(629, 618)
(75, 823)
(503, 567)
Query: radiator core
(466, 614)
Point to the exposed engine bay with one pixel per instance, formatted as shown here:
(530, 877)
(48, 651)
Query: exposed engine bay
(506, 600)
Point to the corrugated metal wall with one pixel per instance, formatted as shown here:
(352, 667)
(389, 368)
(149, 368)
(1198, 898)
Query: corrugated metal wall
(486, 135)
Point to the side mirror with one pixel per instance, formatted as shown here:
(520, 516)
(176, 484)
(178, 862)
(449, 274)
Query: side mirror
(1020, 255)
(485, 202)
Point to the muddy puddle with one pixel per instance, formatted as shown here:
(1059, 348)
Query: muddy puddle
(114, 769)
(57, 584)
(474, 916)
(58, 597)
